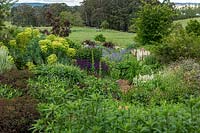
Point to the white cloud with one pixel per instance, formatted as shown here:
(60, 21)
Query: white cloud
(77, 2)
(68, 2)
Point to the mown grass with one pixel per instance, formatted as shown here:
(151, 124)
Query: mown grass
(80, 34)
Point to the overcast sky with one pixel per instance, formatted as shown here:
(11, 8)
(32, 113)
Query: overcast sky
(76, 2)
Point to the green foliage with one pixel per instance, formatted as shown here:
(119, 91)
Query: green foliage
(56, 45)
(70, 73)
(6, 61)
(168, 87)
(74, 18)
(100, 38)
(178, 44)
(153, 23)
(97, 115)
(8, 92)
(51, 59)
(4, 11)
(193, 26)
(31, 46)
(171, 85)
(128, 68)
(86, 53)
(104, 25)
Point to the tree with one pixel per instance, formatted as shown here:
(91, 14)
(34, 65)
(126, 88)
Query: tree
(23, 15)
(4, 11)
(74, 18)
(193, 26)
(154, 22)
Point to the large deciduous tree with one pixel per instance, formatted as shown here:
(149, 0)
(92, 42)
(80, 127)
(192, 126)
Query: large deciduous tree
(154, 22)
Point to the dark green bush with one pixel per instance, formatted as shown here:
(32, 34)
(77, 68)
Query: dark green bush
(178, 44)
(63, 72)
(154, 21)
(193, 26)
(100, 38)
(128, 68)
(104, 25)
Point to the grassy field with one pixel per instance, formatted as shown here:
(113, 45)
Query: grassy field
(122, 39)
(185, 21)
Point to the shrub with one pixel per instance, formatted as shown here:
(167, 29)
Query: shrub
(58, 46)
(128, 68)
(153, 22)
(100, 38)
(178, 44)
(132, 28)
(31, 46)
(18, 114)
(70, 73)
(193, 26)
(104, 25)
(6, 61)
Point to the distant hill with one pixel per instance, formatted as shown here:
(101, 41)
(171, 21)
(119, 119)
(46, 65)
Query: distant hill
(30, 4)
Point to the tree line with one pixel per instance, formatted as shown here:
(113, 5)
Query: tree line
(112, 14)
(26, 15)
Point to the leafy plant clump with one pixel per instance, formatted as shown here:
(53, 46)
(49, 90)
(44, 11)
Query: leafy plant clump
(71, 73)
(100, 38)
(98, 115)
(6, 61)
(9, 92)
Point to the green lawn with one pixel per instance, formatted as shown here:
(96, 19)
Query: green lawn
(185, 21)
(122, 39)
